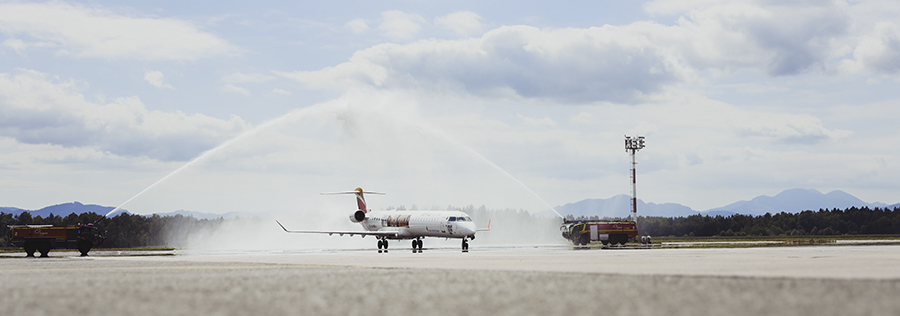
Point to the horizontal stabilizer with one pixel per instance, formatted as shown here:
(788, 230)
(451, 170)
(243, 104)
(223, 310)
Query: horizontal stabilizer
(352, 192)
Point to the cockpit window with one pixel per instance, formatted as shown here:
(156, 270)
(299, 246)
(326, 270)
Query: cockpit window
(452, 219)
(468, 219)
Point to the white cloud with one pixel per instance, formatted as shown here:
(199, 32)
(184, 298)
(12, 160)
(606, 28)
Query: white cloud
(537, 122)
(878, 52)
(629, 63)
(35, 110)
(780, 38)
(398, 25)
(787, 128)
(155, 78)
(568, 65)
(642, 129)
(96, 32)
(582, 118)
(232, 88)
(357, 26)
(462, 23)
(247, 78)
(21, 46)
(281, 91)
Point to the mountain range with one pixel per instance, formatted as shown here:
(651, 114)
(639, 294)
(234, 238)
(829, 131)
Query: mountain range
(790, 201)
(64, 210)
(77, 207)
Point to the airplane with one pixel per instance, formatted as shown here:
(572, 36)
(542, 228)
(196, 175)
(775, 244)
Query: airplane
(415, 225)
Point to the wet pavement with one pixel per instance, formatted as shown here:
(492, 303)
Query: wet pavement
(834, 280)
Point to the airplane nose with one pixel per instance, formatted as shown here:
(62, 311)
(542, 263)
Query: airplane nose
(467, 229)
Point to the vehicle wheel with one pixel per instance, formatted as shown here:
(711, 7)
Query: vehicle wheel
(604, 242)
(84, 247)
(30, 247)
(585, 239)
(44, 248)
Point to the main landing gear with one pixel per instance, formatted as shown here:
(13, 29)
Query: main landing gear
(382, 243)
(417, 243)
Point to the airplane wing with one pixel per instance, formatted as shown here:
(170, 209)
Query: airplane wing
(342, 233)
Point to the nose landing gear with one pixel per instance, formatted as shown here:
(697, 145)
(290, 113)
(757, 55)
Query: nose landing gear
(465, 245)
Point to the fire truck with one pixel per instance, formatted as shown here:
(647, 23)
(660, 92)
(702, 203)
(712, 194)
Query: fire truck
(582, 232)
(42, 238)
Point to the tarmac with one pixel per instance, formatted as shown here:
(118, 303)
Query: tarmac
(811, 280)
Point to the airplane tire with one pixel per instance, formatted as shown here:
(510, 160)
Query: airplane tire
(380, 244)
(44, 248)
(84, 247)
(30, 247)
(385, 244)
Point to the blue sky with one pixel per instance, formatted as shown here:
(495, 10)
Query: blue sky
(443, 103)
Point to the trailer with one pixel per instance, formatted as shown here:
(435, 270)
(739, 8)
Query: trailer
(42, 238)
(607, 232)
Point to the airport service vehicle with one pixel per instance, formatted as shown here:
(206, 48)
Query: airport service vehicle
(414, 225)
(607, 232)
(45, 237)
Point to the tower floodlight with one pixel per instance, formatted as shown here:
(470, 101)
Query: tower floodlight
(632, 145)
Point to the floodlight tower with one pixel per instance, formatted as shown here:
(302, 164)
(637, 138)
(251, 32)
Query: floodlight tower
(632, 145)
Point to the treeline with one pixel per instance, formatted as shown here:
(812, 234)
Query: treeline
(851, 221)
(127, 230)
(507, 226)
(122, 231)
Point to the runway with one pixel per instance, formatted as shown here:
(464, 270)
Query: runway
(822, 280)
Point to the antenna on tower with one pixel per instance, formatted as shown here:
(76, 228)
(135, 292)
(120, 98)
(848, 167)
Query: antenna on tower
(632, 145)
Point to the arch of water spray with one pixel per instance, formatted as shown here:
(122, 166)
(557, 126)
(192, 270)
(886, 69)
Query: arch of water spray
(332, 108)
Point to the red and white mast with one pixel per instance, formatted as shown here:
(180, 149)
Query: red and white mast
(632, 145)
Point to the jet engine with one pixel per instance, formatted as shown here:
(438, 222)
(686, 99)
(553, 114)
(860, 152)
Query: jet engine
(357, 217)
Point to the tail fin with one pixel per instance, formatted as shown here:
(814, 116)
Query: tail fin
(360, 199)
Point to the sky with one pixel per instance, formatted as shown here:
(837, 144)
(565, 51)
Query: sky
(258, 107)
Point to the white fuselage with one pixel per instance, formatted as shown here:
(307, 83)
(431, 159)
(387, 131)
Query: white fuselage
(414, 224)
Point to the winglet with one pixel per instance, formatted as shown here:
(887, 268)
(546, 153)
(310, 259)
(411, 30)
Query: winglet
(486, 229)
(282, 226)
